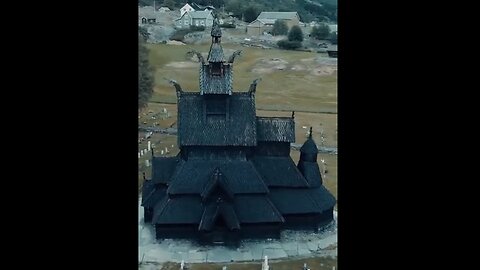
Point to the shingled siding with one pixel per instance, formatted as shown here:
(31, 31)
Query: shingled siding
(214, 84)
(238, 128)
(277, 129)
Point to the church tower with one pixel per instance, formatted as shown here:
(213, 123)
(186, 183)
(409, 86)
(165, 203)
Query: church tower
(216, 74)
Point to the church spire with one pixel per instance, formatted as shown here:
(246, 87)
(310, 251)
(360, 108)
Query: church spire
(216, 31)
(216, 74)
(215, 55)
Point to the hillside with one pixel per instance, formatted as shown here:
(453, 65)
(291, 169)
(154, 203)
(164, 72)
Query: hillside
(309, 10)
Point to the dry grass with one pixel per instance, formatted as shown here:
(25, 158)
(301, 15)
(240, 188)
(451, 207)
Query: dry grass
(286, 89)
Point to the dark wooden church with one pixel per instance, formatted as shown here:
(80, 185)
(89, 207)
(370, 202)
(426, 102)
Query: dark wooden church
(233, 177)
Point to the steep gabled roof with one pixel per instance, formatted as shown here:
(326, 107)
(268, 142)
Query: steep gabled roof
(279, 171)
(178, 210)
(276, 129)
(187, 6)
(215, 211)
(253, 208)
(193, 176)
(200, 14)
(277, 15)
(302, 201)
(217, 180)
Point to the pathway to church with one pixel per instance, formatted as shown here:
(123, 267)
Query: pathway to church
(291, 245)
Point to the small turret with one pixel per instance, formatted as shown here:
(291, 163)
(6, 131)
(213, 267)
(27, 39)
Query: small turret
(307, 164)
(309, 150)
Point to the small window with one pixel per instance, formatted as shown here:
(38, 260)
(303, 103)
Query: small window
(202, 23)
(216, 69)
(186, 22)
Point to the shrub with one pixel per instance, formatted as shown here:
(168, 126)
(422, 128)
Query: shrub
(195, 28)
(228, 25)
(289, 45)
(279, 28)
(179, 35)
(320, 32)
(333, 38)
(295, 34)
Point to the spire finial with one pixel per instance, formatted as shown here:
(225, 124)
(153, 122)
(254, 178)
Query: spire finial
(310, 135)
(153, 153)
(144, 177)
(216, 31)
(293, 115)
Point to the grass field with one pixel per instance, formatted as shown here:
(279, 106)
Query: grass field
(296, 87)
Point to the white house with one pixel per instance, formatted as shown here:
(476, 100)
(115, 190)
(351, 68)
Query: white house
(197, 18)
(186, 8)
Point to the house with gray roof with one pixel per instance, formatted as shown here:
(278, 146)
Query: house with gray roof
(196, 18)
(266, 20)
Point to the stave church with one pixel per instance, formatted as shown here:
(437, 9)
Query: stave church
(233, 178)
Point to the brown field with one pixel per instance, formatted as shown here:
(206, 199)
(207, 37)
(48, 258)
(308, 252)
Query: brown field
(291, 80)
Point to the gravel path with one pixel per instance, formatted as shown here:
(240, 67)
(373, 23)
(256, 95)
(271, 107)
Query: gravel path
(293, 244)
